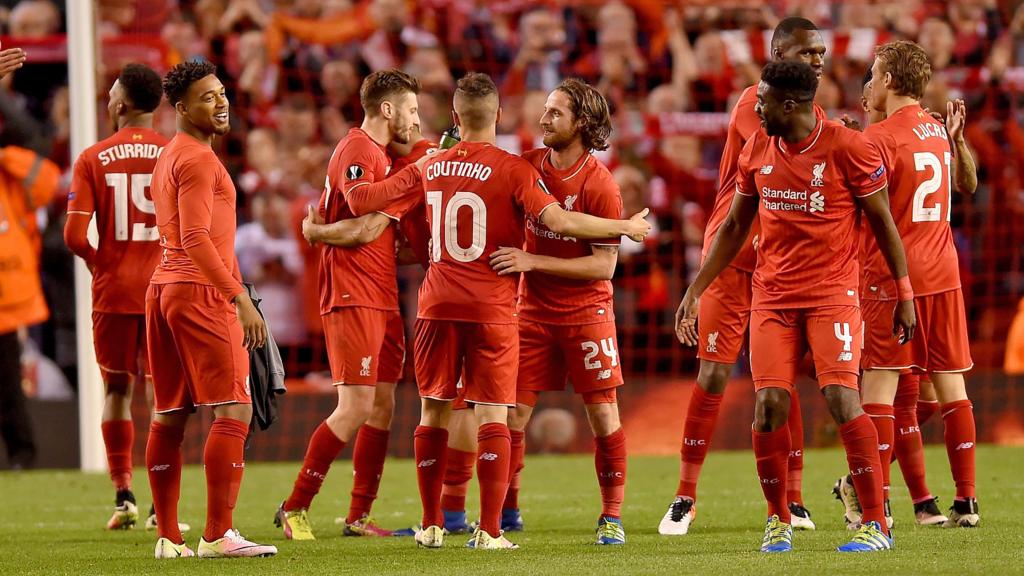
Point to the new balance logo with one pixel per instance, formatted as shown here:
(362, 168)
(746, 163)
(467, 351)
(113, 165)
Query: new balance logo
(818, 175)
(604, 375)
(159, 467)
(426, 463)
(766, 169)
(712, 346)
(365, 368)
(694, 442)
(965, 446)
(570, 201)
(845, 357)
(882, 447)
(315, 474)
(489, 456)
(817, 202)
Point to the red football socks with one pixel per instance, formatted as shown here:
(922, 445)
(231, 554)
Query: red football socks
(118, 437)
(958, 418)
(224, 460)
(368, 454)
(163, 461)
(610, 463)
(771, 449)
(795, 463)
(494, 446)
(883, 419)
(701, 416)
(457, 475)
(431, 449)
(861, 443)
(908, 447)
(323, 448)
(516, 464)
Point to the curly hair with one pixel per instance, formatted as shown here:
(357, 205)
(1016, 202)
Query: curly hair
(384, 84)
(142, 86)
(178, 80)
(909, 66)
(591, 111)
(795, 80)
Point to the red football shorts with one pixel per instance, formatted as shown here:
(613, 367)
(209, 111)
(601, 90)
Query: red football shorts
(550, 354)
(940, 341)
(723, 316)
(364, 345)
(780, 338)
(195, 348)
(120, 343)
(488, 353)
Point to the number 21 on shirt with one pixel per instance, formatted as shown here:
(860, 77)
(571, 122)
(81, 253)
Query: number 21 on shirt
(448, 216)
(925, 161)
(120, 182)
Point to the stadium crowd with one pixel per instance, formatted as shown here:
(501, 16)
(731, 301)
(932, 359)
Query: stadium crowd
(670, 73)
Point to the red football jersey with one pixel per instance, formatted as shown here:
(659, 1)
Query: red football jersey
(478, 196)
(112, 178)
(586, 187)
(916, 152)
(743, 124)
(362, 275)
(807, 253)
(414, 223)
(195, 213)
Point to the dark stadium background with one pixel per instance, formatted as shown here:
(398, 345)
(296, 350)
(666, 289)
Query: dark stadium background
(671, 73)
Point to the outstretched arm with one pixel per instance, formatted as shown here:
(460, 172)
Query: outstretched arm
(600, 265)
(346, 233)
(732, 234)
(590, 227)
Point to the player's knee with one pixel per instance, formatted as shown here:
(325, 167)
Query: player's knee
(713, 376)
(771, 409)
(236, 411)
(118, 384)
(603, 418)
(843, 403)
(519, 417)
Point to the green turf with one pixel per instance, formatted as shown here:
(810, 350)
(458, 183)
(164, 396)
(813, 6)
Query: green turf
(52, 524)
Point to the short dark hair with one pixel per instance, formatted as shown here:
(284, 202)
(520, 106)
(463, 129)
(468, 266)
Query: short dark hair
(178, 80)
(867, 77)
(794, 80)
(474, 90)
(141, 84)
(591, 111)
(785, 29)
(384, 84)
(909, 66)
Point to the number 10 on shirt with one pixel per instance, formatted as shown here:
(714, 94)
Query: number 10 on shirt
(478, 209)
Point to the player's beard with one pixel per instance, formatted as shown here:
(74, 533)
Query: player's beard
(557, 140)
(400, 134)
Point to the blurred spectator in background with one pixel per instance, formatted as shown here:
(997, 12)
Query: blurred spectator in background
(268, 256)
(27, 182)
(539, 62)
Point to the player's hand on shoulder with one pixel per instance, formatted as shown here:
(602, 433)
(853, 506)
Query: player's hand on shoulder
(904, 321)
(638, 227)
(506, 261)
(309, 224)
(254, 330)
(423, 159)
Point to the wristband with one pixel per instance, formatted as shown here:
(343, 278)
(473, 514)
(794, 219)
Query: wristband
(904, 290)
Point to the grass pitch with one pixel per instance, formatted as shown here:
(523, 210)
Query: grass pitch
(53, 524)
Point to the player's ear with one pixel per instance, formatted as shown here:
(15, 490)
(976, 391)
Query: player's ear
(497, 119)
(180, 107)
(387, 109)
(455, 119)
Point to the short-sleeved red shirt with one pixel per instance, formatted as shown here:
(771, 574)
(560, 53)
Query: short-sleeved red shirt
(477, 198)
(586, 187)
(195, 214)
(916, 152)
(112, 179)
(810, 221)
